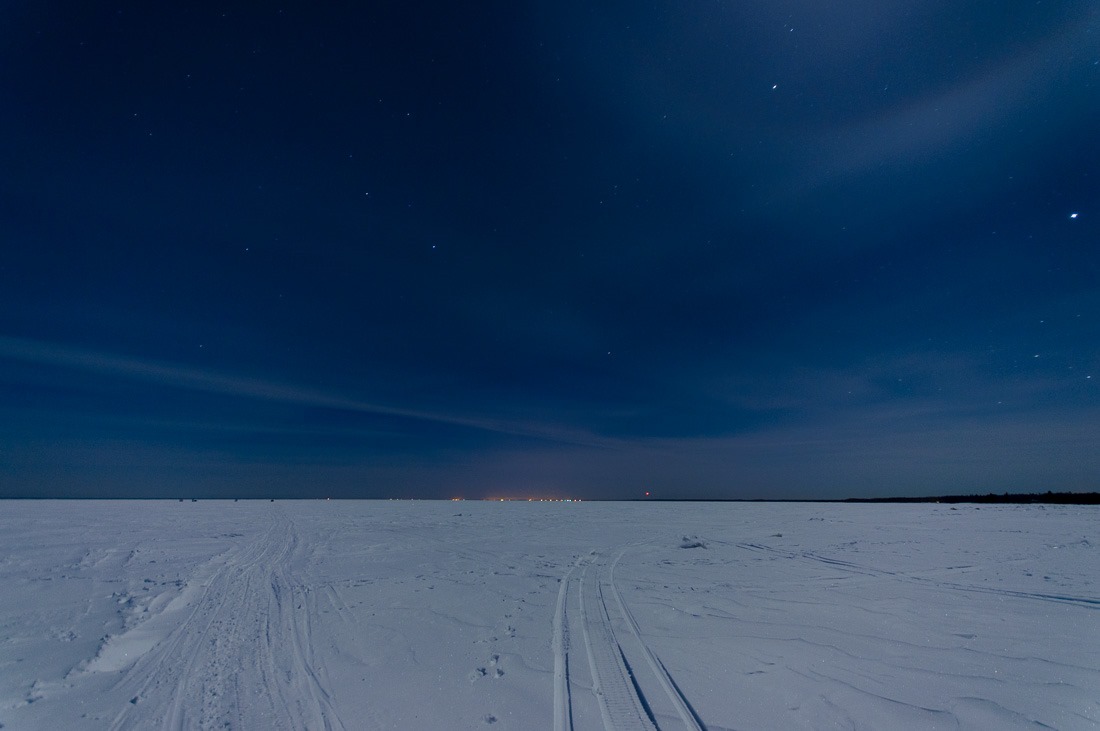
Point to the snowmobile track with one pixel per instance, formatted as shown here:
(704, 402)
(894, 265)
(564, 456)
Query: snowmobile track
(618, 687)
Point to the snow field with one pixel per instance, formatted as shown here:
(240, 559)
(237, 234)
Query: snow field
(468, 615)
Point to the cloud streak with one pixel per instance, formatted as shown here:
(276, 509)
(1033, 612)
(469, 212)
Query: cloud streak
(218, 383)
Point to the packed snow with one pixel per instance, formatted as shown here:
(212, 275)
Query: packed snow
(557, 616)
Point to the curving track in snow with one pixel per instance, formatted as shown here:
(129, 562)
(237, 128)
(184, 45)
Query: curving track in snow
(625, 671)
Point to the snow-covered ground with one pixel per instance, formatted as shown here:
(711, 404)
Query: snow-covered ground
(429, 615)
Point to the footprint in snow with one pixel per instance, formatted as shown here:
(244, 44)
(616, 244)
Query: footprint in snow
(482, 672)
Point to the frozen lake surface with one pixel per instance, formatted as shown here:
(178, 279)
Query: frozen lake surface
(469, 615)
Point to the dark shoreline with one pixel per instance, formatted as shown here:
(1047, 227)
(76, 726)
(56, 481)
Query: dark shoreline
(1036, 498)
(1033, 498)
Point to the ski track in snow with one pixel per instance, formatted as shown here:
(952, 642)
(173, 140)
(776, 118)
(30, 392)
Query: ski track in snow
(242, 658)
(855, 568)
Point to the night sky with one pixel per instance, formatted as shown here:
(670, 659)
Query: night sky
(782, 249)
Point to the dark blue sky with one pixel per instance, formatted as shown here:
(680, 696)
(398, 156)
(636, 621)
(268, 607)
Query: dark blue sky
(721, 249)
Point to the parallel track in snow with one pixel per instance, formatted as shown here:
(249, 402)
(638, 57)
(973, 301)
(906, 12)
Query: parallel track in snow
(242, 657)
(617, 683)
(563, 704)
(622, 704)
(687, 714)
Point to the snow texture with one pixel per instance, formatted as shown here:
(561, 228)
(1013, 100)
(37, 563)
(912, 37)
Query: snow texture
(562, 616)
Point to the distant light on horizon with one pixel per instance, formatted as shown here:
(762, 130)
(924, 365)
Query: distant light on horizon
(531, 499)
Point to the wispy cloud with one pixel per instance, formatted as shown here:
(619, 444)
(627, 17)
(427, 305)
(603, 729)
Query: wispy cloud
(957, 115)
(225, 384)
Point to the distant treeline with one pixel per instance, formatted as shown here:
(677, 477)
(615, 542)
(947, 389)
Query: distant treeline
(1048, 498)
